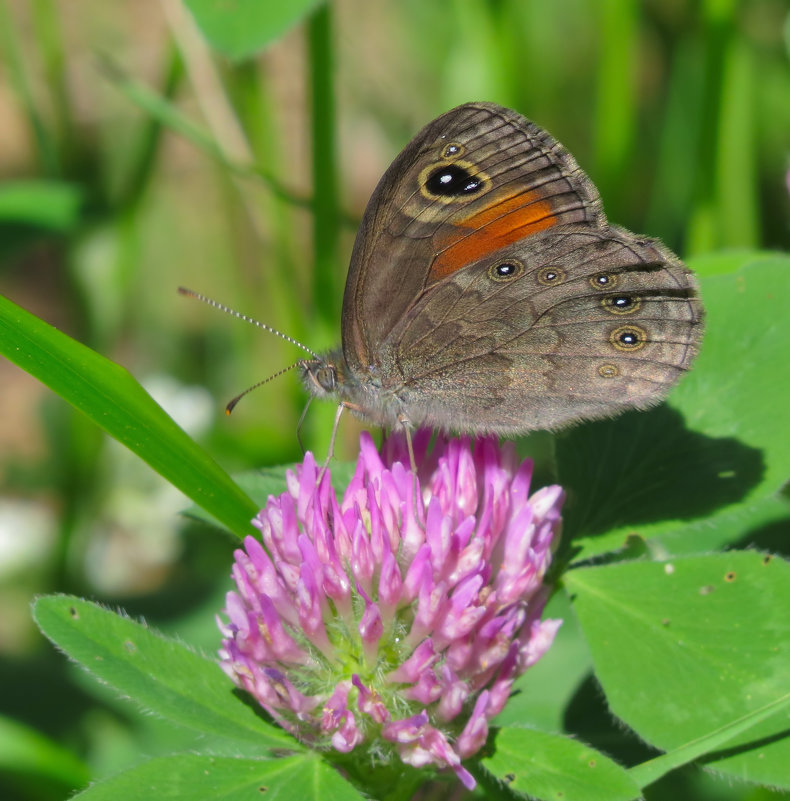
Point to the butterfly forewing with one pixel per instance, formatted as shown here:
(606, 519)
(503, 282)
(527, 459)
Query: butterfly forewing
(507, 179)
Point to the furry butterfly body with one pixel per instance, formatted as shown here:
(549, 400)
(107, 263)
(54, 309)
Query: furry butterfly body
(487, 291)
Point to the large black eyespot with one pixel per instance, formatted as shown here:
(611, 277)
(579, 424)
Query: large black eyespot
(453, 180)
(628, 337)
(621, 304)
(505, 270)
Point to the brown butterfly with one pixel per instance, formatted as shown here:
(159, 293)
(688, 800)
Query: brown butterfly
(488, 293)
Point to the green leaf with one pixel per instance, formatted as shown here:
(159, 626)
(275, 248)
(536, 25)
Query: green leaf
(730, 261)
(717, 449)
(550, 766)
(242, 28)
(111, 397)
(684, 647)
(193, 777)
(161, 674)
(47, 204)
(742, 526)
(652, 770)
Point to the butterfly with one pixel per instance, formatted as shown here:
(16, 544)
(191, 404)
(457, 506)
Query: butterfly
(488, 293)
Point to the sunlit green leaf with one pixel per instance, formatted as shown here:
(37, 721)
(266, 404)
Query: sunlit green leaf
(161, 674)
(549, 766)
(193, 777)
(684, 647)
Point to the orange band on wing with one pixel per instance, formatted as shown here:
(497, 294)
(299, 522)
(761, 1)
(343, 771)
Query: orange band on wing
(503, 223)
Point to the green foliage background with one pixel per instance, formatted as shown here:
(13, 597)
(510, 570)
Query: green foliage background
(139, 153)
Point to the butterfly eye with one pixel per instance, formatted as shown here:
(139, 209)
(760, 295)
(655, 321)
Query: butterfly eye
(505, 270)
(453, 180)
(549, 276)
(452, 151)
(621, 304)
(326, 378)
(628, 337)
(603, 281)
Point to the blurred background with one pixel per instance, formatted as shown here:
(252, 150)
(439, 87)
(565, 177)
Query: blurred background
(136, 156)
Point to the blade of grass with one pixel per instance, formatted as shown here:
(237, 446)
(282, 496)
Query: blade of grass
(17, 70)
(718, 21)
(284, 275)
(679, 124)
(113, 399)
(326, 288)
(146, 145)
(615, 115)
(53, 54)
(736, 174)
(480, 61)
(164, 112)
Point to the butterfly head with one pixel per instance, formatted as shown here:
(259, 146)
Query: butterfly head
(331, 377)
(323, 375)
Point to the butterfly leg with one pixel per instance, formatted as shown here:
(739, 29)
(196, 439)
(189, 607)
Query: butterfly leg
(341, 407)
(406, 425)
(300, 423)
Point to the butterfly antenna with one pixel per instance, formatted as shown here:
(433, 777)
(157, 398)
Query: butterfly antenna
(232, 404)
(190, 293)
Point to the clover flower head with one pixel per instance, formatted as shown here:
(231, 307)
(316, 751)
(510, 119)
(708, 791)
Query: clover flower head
(391, 622)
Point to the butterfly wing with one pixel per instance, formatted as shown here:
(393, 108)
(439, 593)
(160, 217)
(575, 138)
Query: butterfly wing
(487, 292)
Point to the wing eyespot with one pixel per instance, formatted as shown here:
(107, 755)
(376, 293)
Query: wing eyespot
(622, 304)
(450, 182)
(628, 338)
(603, 281)
(505, 270)
(452, 150)
(551, 276)
(608, 371)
